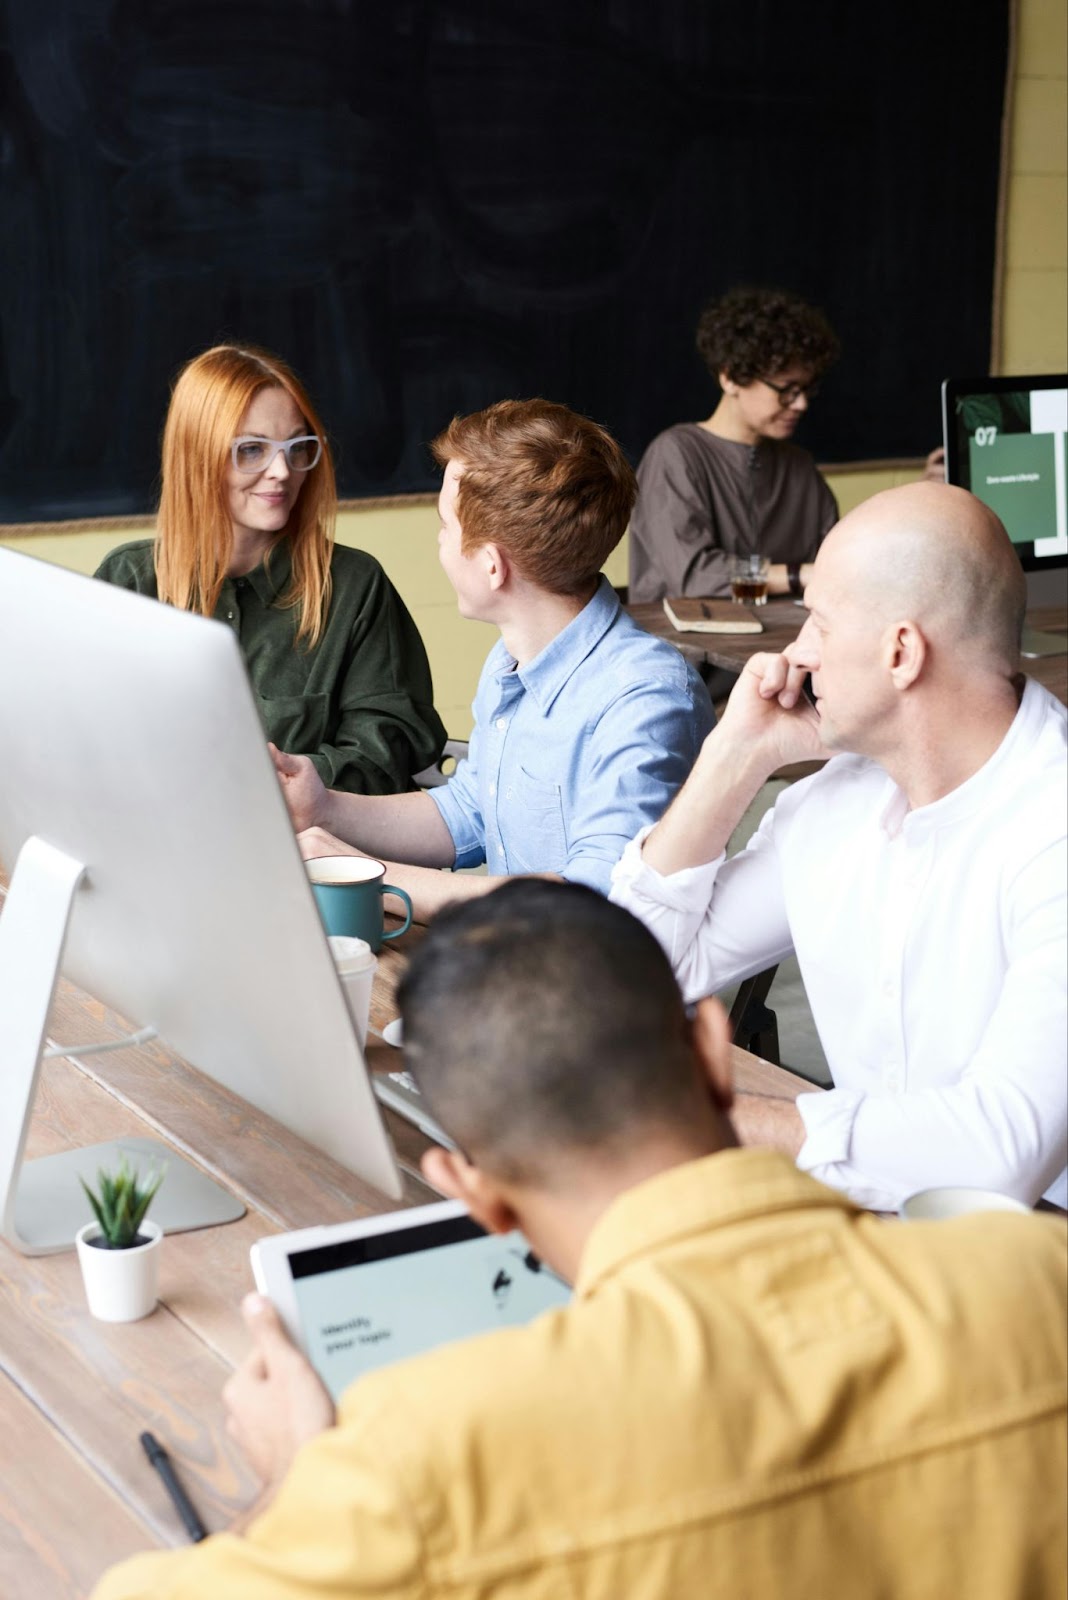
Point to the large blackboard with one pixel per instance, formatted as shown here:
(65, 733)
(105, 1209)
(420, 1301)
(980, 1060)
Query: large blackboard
(426, 207)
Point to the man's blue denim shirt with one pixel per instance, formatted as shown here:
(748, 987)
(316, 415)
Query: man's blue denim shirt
(574, 752)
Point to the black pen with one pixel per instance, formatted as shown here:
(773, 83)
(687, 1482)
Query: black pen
(159, 1458)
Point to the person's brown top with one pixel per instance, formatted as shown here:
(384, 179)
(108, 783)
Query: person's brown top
(702, 498)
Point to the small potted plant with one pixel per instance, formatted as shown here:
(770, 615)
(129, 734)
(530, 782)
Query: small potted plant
(119, 1252)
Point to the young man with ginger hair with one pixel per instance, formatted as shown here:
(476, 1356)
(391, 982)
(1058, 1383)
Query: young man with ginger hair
(585, 725)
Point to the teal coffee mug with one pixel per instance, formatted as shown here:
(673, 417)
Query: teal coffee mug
(348, 891)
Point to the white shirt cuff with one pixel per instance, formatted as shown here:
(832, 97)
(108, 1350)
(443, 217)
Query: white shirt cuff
(828, 1120)
(688, 890)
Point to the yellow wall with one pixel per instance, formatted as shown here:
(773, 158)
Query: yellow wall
(1035, 297)
(1034, 338)
(404, 539)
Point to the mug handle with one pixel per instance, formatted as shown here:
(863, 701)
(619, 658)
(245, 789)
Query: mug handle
(387, 888)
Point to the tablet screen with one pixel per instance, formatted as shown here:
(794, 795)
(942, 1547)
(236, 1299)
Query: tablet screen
(370, 1301)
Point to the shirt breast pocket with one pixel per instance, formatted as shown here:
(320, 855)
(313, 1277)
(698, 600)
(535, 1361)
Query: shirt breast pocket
(296, 723)
(537, 837)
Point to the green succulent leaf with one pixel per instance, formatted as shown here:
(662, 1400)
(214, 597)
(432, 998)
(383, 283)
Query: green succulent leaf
(121, 1200)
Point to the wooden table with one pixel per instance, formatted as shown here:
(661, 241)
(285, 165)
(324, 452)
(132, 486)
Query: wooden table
(782, 621)
(76, 1493)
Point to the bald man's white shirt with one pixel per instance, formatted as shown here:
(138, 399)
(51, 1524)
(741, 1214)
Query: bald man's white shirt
(934, 950)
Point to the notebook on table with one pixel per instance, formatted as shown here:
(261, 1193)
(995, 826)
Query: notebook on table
(710, 616)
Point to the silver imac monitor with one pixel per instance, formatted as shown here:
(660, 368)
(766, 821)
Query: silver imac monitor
(1006, 439)
(153, 862)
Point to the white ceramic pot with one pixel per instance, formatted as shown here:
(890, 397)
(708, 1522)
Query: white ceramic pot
(120, 1285)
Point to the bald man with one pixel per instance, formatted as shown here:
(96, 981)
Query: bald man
(920, 876)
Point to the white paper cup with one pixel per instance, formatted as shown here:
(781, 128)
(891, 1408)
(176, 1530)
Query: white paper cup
(935, 1205)
(356, 963)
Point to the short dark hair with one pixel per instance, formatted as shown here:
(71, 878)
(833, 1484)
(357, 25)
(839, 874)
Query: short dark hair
(754, 333)
(539, 1020)
(552, 487)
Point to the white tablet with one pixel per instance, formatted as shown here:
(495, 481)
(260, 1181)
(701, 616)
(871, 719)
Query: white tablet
(360, 1295)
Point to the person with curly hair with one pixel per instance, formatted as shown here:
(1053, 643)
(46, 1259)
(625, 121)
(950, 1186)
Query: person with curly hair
(736, 483)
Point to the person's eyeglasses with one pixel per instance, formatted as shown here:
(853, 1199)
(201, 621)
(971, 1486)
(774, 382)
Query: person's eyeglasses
(788, 392)
(250, 453)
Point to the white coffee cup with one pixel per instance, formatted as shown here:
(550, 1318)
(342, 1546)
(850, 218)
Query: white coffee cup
(356, 963)
(934, 1205)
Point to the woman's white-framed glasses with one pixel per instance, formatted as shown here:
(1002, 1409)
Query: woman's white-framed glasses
(252, 453)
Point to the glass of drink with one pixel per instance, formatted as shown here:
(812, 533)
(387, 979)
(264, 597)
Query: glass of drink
(749, 579)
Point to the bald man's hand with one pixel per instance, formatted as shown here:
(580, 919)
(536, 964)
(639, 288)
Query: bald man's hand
(767, 724)
(768, 712)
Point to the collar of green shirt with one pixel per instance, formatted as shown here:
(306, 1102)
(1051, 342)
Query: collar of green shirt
(714, 1191)
(273, 575)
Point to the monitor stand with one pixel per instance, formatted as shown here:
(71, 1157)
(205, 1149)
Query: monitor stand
(1035, 643)
(42, 1202)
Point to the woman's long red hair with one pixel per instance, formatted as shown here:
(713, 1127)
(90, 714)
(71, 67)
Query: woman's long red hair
(194, 531)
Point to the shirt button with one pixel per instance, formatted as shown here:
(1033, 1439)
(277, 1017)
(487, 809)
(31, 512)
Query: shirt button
(502, 723)
(493, 788)
(500, 850)
(893, 1080)
(230, 616)
(889, 987)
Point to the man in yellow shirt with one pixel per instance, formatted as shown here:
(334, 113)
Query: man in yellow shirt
(757, 1390)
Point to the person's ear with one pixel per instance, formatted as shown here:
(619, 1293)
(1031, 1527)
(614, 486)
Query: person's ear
(453, 1175)
(906, 653)
(496, 565)
(727, 383)
(711, 1036)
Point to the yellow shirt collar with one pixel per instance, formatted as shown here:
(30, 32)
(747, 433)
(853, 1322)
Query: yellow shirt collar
(711, 1192)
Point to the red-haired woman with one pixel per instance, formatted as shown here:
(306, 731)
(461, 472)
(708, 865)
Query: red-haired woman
(245, 534)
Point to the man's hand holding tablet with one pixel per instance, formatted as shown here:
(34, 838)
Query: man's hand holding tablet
(275, 1399)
